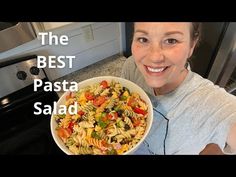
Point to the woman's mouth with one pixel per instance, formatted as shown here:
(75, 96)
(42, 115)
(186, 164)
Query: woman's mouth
(156, 70)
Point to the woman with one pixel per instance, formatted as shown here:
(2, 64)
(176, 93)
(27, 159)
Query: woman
(190, 112)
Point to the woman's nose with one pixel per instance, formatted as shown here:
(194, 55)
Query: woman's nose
(156, 53)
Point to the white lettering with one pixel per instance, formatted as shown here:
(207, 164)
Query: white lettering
(59, 59)
(37, 83)
(43, 37)
(73, 109)
(64, 84)
(56, 86)
(62, 109)
(47, 110)
(64, 40)
(53, 61)
(70, 60)
(41, 62)
(73, 87)
(48, 87)
(38, 108)
(53, 39)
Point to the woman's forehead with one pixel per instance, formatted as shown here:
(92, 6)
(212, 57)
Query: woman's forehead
(162, 26)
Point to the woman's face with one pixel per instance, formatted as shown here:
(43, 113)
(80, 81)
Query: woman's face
(160, 51)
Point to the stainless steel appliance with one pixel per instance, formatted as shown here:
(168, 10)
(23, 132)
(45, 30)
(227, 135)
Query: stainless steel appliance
(223, 71)
(13, 34)
(22, 132)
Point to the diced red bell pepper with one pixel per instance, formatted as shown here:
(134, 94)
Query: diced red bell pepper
(71, 125)
(140, 111)
(80, 112)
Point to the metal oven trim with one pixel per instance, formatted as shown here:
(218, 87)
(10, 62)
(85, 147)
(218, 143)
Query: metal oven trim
(16, 35)
(224, 56)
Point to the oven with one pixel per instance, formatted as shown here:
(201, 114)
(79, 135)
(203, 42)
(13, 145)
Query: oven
(21, 131)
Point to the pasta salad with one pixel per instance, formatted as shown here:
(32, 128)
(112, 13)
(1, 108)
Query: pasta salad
(110, 120)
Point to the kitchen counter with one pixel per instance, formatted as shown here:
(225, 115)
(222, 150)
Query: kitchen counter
(108, 67)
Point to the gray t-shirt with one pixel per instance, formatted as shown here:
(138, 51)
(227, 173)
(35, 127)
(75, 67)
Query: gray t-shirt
(196, 113)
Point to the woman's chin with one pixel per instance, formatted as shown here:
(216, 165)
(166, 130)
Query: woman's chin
(154, 83)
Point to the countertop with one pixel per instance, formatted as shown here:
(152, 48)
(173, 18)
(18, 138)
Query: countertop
(107, 67)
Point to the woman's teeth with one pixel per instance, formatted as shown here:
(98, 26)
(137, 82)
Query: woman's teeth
(156, 70)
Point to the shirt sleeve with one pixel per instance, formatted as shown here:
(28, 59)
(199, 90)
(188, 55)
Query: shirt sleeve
(124, 72)
(127, 68)
(226, 116)
(221, 133)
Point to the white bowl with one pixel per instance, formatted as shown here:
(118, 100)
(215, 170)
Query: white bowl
(125, 83)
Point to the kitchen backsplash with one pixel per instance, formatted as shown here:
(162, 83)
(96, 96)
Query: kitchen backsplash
(108, 67)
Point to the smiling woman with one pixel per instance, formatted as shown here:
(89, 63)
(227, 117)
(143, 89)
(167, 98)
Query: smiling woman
(198, 112)
(152, 47)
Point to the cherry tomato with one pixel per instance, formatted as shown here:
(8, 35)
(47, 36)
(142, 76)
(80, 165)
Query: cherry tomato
(64, 132)
(104, 84)
(89, 95)
(99, 100)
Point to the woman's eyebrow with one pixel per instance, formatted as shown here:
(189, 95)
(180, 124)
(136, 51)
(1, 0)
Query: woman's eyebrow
(166, 34)
(140, 31)
(173, 32)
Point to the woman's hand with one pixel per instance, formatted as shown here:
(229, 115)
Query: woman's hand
(231, 140)
(211, 149)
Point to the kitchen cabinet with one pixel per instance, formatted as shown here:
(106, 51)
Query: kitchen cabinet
(53, 25)
(101, 42)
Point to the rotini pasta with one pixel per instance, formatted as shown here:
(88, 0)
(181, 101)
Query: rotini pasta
(129, 113)
(110, 120)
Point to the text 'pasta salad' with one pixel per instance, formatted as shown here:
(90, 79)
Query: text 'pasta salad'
(110, 119)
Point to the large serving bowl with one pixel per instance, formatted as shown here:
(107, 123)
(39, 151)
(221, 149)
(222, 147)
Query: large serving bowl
(133, 88)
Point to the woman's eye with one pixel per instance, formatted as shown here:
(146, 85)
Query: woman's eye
(142, 40)
(171, 41)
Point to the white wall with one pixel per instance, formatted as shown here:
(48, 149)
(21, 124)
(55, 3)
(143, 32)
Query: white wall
(104, 42)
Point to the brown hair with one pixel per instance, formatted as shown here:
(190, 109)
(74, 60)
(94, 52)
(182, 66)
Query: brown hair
(196, 32)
